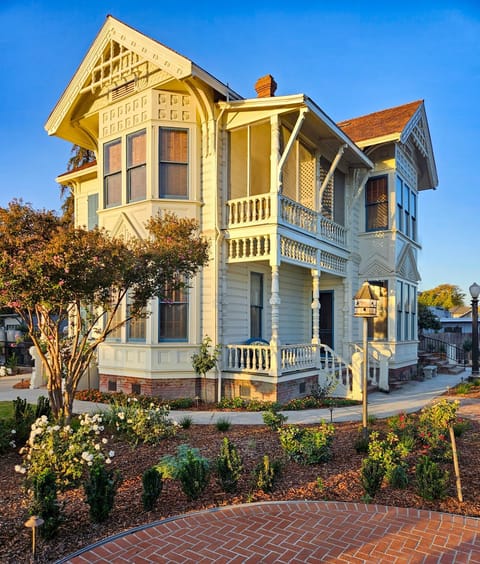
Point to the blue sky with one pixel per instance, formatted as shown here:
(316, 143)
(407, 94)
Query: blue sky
(352, 58)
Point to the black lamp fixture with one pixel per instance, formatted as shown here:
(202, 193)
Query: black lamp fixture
(474, 292)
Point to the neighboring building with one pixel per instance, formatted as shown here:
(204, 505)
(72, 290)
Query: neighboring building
(299, 211)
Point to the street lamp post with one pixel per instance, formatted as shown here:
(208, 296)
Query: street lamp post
(474, 292)
(365, 306)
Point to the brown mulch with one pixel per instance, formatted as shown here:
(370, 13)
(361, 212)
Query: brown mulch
(22, 385)
(339, 479)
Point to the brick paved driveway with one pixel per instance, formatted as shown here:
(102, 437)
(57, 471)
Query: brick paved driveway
(296, 532)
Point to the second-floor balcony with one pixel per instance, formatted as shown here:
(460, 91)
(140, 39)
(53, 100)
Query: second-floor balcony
(259, 209)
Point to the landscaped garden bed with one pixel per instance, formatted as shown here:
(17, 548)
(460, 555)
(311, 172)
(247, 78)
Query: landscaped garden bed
(338, 477)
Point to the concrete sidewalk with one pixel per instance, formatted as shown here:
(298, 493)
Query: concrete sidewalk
(411, 397)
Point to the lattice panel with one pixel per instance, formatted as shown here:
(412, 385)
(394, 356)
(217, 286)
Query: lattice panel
(297, 251)
(124, 115)
(169, 106)
(328, 194)
(333, 263)
(405, 168)
(307, 178)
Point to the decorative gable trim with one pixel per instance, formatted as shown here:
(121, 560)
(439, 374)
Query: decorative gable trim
(407, 265)
(417, 132)
(125, 229)
(114, 55)
(377, 267)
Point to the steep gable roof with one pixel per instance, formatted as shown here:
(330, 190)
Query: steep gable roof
(116, 55)
(391, 121)
(399, 124)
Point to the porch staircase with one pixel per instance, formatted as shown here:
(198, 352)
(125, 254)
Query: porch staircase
(448, 358)
(442, 364)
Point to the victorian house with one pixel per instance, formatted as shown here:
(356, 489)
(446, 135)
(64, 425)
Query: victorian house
(299, 212)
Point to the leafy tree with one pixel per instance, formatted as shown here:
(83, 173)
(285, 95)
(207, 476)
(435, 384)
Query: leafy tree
(445, 295)
(427, 319)
(52, 274)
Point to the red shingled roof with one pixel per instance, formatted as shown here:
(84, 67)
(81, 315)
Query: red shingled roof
(86, 165)
(379, 124)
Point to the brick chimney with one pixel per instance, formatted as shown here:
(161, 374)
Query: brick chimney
(265, 86)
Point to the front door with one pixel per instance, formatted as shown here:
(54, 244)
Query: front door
(326, 318)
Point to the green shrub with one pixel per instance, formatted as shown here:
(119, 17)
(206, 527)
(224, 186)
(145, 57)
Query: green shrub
(194, 475)
(232, 403)
(310, 445)
(45, 503)
(398, 477)
(403, 425)
(185, 422)
(8, 435)
(431, 480)
(138, 424)
(43, 408)
(189, 467)
(100, 489)
(152, 487)
(373, 472)
(361, 443)
(223, 424)
(273, 419)
(65, 449)
(390, 451)
(461, 426)
(229, 466)
(434, 421)
(180, 403)
(266, 473)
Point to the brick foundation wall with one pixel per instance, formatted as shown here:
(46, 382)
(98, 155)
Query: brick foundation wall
(168, 388)
(403, 374)
(282, 392)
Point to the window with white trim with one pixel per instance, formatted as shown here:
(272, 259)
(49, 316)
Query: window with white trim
(406, 217)
(173, 163)
(376, 203)
(112, 173)
(137, 166)
(173, 316)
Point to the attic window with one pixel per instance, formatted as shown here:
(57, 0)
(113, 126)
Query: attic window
(123, 90)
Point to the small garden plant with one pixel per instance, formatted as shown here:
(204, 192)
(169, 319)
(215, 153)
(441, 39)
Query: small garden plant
(152, 482)
(307, 445)
(266, 474)
(229, 466)
(190, 468)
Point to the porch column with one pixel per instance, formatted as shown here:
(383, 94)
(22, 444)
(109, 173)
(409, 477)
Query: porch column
(275, 302)
(275, 367)
(316, 307)
(316, 314)
(275, 180)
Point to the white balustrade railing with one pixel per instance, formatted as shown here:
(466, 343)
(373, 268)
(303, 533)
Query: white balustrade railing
(258, 359)
(252, 358)
(295, 214)
(332, 231)
(243, 211)
(297, 357)
(258, 209)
